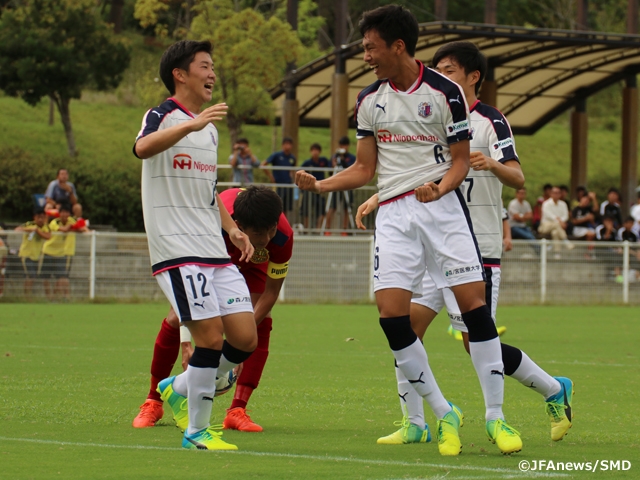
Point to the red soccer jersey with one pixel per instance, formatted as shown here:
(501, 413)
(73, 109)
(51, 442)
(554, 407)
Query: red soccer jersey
(272, 261)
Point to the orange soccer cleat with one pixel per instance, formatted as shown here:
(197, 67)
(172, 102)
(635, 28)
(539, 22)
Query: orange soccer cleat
(237, 419)
(150, 412)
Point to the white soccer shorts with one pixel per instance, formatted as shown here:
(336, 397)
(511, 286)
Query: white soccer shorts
(200, 292)
(436, 299)
(411, 235)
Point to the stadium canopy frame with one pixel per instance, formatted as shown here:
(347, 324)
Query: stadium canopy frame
(534, 76)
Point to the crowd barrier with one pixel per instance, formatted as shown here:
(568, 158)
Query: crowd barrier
(340, 269)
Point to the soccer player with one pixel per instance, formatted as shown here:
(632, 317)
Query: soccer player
(35, 234)
(413, 126)
(184, 218)
(494, 163)
(258, 213)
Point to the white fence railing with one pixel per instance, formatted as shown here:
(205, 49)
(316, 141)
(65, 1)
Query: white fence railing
(340, 269)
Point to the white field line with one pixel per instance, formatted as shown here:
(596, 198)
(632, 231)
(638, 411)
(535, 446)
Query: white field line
(504, 471)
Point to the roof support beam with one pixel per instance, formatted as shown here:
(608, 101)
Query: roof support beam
(632, 17)
(440, 10)
(629, 174)
(579, 132)
(489, 89)
(582, 20)
(491, 12)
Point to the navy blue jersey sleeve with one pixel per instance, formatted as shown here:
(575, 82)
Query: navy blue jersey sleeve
(364, 126)
(503, 146)
(152, 120)
(456, 116)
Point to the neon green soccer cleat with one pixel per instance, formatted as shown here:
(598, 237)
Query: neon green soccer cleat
(207, 439)
(177, 402)
(457, 334)
(501, 330)
(448, 432)
(507, 438)
(408, 433)
(559, 409)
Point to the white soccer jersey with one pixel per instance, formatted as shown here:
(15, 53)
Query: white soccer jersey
(413, 129)
(482, 190)
(181, 215)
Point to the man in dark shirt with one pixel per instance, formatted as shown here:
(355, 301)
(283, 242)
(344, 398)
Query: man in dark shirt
(583, 220)
(283, 158)
(312, 202)
(341, 159)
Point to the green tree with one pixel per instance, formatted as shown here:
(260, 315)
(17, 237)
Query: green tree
(250, 55)
(55, 48)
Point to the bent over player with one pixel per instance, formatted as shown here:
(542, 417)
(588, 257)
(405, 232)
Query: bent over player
(258, 213)
(494, 163)
(184, 218)
(413, 127)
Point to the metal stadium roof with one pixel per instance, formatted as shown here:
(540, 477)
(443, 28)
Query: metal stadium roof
(539, 73)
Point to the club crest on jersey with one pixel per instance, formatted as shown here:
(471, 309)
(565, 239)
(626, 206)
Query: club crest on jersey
(424, 109)
(260, 256)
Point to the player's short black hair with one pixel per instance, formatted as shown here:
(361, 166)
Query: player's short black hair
(467, 55)
(392, 22)
(243, 140)
(547, 186)
(257, 207)
(315, 146)
(65, 206)
(38, 211)
(287, 140)
(344, 141)
(180, 55)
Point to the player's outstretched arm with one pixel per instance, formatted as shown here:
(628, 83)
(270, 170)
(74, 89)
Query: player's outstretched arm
(161, 140)
(357, 175)
(365, 209)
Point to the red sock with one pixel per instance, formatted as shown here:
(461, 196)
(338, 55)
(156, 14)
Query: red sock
(165, 353)
(253, 366)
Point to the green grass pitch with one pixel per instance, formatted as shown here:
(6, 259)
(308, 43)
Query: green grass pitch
(72, 377)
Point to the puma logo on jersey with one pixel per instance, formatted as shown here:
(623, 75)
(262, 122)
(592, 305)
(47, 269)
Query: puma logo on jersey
(382, 107)
(497, 372)
(531, 386)
(419, 380)
(457, 99)
(160, 115)
(404, 397)
(196, 304)
(498, 120)
(207, 398)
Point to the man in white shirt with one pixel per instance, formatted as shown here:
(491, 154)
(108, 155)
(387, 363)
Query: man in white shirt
(555, 216)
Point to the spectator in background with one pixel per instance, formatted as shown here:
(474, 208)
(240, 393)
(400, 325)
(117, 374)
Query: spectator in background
(611, 207)
(519, 214)
(626, 233)
(242, 160)
(313, 202)
(35, 234)
(583, 219)
(635, 210)
(58, 252)
(581, 191)
(555, 216)
(3, 261)
(537, 210)
(283, 158)
(607, 231)
(341, 159)
(60, 191)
